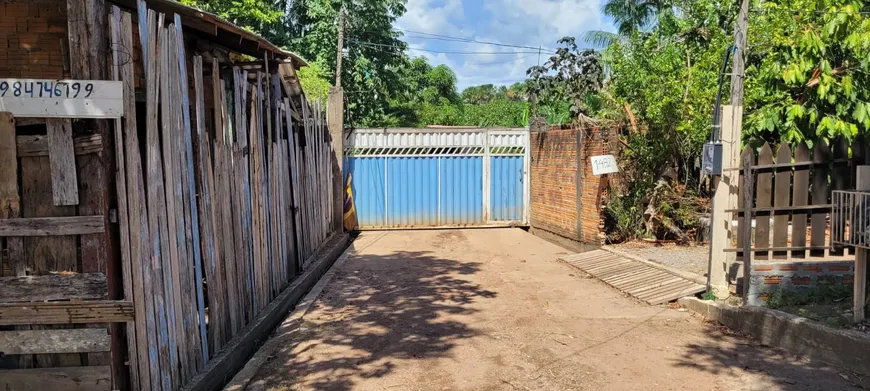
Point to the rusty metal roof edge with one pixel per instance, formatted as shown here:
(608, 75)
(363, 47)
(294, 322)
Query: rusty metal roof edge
(219, 22)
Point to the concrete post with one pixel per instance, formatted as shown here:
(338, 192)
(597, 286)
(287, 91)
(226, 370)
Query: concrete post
(862, 183)
(725, 197)
(335, 122)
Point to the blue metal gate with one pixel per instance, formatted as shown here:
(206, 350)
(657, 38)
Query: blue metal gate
(404, 178)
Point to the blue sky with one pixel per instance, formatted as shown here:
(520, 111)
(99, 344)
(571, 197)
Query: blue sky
(517, 22)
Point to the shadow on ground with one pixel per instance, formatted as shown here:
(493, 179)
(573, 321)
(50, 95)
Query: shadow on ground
(377, 309)
(726, 353)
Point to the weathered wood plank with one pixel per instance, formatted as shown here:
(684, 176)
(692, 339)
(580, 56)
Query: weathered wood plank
(66, 312)
(84, 286)
(54, 341)
(782, 198)
(157, 219)
(140, 234)
(64, 182)
(820, 193)
(10, 206)
(52, 226)
(763, 194)
(176, 246)
(34, 146)
(94, 378)
(44, 254)
(199, 346)
(800, 195)
(119, 28)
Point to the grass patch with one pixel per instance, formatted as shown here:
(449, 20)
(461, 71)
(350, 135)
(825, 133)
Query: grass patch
(828, 302)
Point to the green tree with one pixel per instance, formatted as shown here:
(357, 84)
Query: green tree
(570, 75)
(808, 73)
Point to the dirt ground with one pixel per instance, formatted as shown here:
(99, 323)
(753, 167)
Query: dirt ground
(495, 310)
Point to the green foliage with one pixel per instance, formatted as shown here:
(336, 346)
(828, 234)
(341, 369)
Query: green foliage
(807, 77)
(570, 75)
(314, 82)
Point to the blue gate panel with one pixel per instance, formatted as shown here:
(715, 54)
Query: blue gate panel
(412, 191)
(368, 186)
(461, 190)
(506, 188)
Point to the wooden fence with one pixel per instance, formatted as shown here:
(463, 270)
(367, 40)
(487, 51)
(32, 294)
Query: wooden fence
(791, 197)
(224, 189)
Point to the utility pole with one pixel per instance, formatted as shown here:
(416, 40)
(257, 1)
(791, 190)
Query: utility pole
(340, 47)
(725, 194)
(335, 123)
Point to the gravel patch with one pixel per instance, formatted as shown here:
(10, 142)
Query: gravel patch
(689, 258)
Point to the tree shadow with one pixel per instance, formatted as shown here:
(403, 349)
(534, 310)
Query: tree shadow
(724, 352)
(377, 309)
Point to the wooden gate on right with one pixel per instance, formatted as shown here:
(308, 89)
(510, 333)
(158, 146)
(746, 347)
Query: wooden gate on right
(792, 198)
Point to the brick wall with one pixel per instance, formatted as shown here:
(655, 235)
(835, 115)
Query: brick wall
(766, 278)
(32, 33)
(554, 201)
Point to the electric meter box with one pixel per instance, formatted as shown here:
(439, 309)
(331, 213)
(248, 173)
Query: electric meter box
(711, 158)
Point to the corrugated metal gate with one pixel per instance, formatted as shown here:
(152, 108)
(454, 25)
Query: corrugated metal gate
(406, 178)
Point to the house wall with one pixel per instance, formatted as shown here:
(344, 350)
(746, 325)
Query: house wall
(32, 35)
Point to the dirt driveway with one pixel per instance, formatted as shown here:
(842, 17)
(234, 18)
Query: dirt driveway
(495, 310)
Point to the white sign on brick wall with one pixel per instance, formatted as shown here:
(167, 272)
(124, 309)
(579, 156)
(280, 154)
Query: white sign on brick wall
(604, 164)
(62, 98)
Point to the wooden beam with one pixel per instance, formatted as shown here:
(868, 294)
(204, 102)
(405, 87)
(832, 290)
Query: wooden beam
(54, 341)
(10, 206)
(84, 286)
(52, 226)
(67, 379)
(66, 312)
(64, 183)
(35, 146)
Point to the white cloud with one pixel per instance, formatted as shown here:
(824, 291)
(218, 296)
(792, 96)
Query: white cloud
(516, 22)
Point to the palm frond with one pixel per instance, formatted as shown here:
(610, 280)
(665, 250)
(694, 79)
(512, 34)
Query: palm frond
(600, 39)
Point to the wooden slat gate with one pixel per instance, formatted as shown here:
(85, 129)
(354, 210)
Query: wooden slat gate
(791, 196)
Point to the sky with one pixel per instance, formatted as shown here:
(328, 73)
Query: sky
(531, 23)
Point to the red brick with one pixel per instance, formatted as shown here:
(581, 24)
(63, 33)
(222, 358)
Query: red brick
(772, 280)
(848, 280)
(787, 268)
(839, 268)
(801, 280)
(763, 268)
(812, 269)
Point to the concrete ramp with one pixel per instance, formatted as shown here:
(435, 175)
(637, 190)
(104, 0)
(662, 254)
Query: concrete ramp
(641, 280)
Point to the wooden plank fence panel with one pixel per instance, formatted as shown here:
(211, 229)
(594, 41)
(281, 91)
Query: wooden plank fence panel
(820, 195)
(763, 194)
(93, 378)
(54, 341)
(800, 195)
(741, 219)
(50, 287)
(54, 226)
(37, 145)
(782, 198)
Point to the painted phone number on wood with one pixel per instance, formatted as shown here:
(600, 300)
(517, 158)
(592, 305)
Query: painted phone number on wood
(62, 98)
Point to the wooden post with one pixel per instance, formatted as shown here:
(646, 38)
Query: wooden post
(725, 198)
(859, 299)
(747, 218)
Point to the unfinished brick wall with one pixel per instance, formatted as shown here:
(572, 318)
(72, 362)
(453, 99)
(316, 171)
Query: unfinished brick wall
(32, 38)
(554, 182)
(555, 204)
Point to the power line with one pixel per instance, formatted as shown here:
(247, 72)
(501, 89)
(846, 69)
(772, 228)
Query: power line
(380, 45)
(806, 11)
(468, 40)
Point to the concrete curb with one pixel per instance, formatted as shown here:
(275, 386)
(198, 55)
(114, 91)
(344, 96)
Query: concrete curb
(235, 354)
(800, 336)
(287, 328)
